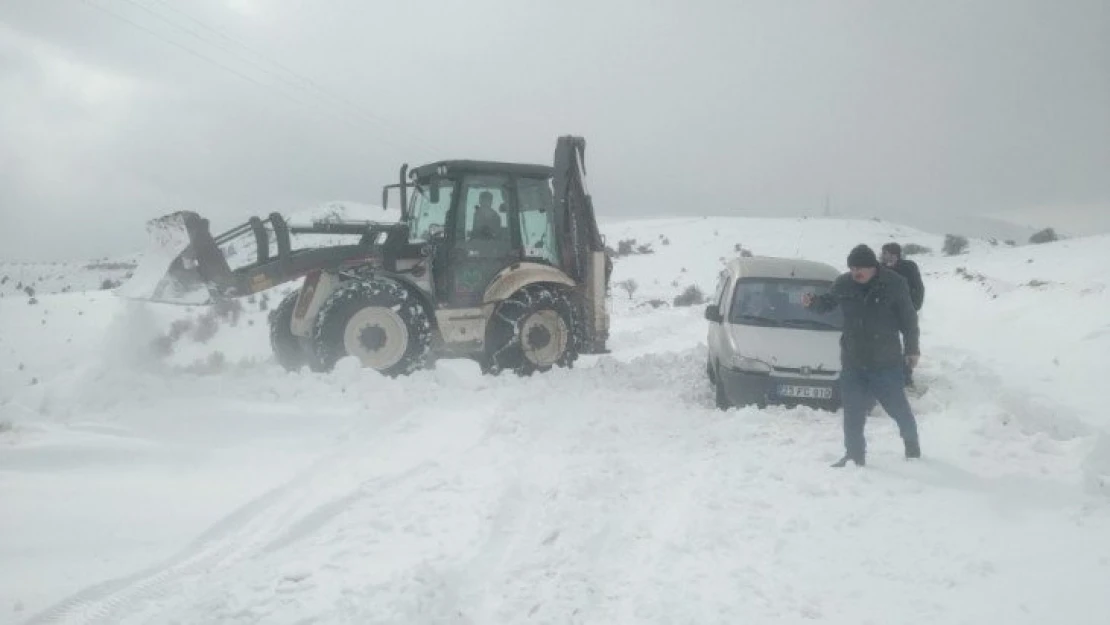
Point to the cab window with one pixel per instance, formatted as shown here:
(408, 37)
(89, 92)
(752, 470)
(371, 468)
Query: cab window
(426, 214)
(537, 219)
(484, 211)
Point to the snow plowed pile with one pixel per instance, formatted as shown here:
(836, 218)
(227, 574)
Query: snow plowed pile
(154, 475)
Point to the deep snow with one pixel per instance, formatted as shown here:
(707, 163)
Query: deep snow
(201, 483)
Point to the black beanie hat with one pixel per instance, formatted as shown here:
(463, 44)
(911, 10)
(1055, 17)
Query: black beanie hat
(862, 256)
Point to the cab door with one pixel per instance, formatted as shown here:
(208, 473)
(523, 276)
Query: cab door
(484, 238)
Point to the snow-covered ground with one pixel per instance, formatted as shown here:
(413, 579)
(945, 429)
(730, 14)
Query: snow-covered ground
(197, 482)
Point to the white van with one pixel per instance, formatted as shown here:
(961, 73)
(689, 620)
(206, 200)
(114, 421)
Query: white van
(764, 345)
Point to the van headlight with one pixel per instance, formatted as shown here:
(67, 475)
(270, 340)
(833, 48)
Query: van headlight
(750, 365)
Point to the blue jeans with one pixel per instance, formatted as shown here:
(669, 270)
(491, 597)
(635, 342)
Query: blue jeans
(859, 389)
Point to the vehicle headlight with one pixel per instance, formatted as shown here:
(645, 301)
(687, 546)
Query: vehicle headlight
(750, 364)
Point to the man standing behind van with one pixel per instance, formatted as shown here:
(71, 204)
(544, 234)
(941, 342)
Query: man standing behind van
(877, 309)
(892, 257)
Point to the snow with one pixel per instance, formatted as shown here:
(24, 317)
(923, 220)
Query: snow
(157, 467)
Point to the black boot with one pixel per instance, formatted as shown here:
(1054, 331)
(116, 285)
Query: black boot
(913, 449)
(844, 461)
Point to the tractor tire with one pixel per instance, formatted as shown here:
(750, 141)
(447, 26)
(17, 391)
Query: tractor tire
(535, 329)
(290, 351)
(379, 322)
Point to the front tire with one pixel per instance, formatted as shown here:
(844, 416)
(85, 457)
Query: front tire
(290, 351)
(379, 322)
(532, 331)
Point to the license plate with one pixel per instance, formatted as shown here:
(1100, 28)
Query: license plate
(805, 392)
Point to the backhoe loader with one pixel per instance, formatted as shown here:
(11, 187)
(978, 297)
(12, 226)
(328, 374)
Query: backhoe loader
(499, 262)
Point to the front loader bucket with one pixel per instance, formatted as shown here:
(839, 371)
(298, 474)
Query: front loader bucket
(170, 270)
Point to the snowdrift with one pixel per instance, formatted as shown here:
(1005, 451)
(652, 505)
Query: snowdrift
(209, 485)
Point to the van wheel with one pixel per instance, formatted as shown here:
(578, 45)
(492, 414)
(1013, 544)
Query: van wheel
(721, 398)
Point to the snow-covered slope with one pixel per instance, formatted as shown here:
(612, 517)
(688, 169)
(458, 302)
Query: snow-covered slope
(107, 273)
(156, 467)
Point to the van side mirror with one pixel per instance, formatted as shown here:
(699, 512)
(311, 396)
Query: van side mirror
(713, 313)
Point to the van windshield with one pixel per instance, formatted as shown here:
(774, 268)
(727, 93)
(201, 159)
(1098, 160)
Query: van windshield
(777, 303)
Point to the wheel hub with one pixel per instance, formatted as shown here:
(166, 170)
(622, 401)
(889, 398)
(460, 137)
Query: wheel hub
(377, 336)
(544, 337)
(538, 337)
(372, 338)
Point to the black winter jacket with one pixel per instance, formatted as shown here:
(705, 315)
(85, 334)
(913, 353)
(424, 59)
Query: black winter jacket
(874, 315)
(908, 270)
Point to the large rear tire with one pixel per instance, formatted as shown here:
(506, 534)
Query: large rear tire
(535, 329)
(291, 351)
(379, 322)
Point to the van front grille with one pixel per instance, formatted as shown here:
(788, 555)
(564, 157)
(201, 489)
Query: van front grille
(804, 371)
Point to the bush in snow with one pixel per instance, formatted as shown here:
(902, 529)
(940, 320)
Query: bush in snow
(692, 296)
(629, 286)
(954, 244)
(742, 251)
(910, 249)
(1047, 235)
(628, 247)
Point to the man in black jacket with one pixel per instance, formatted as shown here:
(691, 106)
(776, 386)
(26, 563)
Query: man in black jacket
(878, 315)
(892, 258)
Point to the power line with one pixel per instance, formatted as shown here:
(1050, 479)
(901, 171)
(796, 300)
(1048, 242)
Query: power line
(210, 60)
(359, 110)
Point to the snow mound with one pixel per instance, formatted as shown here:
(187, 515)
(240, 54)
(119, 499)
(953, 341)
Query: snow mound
(344, 211)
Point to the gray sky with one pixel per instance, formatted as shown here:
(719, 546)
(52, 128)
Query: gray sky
(892, 107)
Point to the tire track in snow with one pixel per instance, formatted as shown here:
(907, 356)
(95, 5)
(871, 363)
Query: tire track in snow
(231, 539)
(278, 518)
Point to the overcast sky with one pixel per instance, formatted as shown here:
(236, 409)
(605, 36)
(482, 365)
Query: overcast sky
(116, 111)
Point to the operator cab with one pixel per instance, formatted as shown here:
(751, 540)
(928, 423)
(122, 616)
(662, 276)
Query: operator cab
(480, 218)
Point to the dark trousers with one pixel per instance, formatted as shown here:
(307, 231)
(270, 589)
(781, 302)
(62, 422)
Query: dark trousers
(859, 390)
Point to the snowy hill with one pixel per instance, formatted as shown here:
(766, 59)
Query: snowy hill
(26, 280)
(208, 485)
(107, 273)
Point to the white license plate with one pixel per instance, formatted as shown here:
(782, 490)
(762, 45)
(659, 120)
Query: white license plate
(805, 392)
